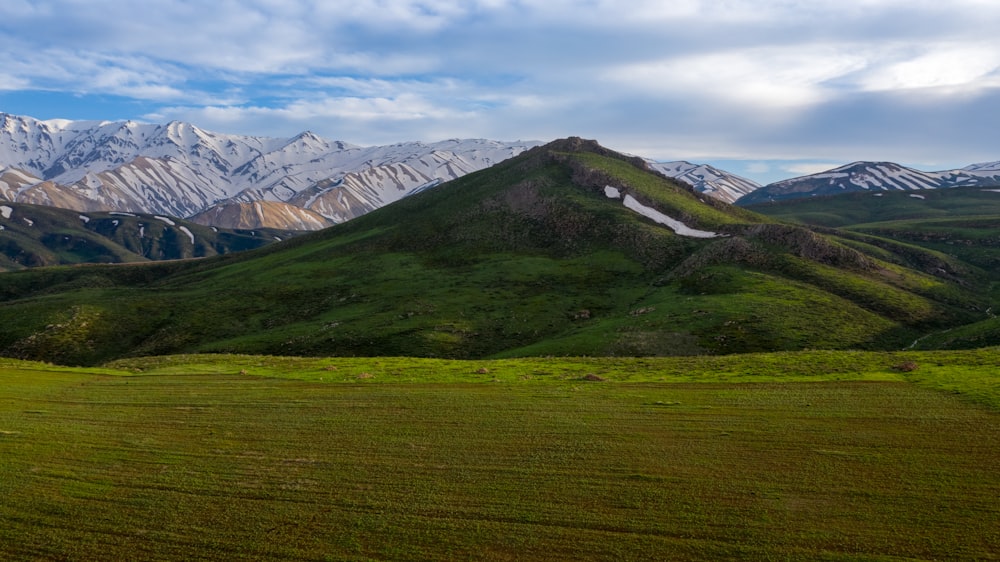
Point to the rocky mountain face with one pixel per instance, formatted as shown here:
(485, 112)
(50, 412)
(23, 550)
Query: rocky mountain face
(874, 176)
(183, 171)
(709, 180)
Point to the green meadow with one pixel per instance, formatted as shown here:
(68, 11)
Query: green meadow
(809, 455)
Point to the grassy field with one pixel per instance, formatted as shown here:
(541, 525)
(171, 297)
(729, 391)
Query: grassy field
(817, 455)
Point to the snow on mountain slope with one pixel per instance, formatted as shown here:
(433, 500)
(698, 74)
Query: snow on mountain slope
(707, 179)
(984, 168)
(401, 166)
(873, 176)
(13, 181)
(181, 170)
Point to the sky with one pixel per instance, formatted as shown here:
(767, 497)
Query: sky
(768, 89)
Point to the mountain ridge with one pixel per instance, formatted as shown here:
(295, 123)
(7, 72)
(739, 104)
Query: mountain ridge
(180, 170)
(538, 255)
(874, 176)
(708, 179)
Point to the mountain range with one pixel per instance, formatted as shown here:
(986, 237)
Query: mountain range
(875, 177)
(565, 249)
(308, 183)
(217, 179)
(246, 182)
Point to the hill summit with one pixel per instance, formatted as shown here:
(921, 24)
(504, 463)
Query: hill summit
(568, 248)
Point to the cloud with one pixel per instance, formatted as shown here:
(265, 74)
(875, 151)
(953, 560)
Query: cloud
(752, 79)
(807, 168)
(761, 78)
(95, 73)
(361, 120)
(939, 66)
(13, 83)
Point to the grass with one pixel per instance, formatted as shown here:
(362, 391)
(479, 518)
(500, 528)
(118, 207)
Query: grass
(973, 371)
(826, 456)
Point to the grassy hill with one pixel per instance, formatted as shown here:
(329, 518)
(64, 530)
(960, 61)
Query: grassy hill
(944, 230)
(33, 236)
(530, 257)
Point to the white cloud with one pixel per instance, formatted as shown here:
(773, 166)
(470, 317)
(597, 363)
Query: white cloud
(940, 66)
(380, 87)
(769, 77)
(807, 168)
(404, 107)
(751, 79)
(354, 119)
(13, 83)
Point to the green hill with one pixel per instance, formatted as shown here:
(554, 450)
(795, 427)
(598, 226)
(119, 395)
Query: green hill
(530, 257)
(940, 231)
(33, 236)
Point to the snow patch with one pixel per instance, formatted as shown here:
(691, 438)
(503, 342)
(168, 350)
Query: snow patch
(915, 196)
(993, 190)
(142, 231)
(121, 214)
(612, 193)
(5, 211)
(115, 222)
(29, 221)
(877, 195)
(674, 224)
(85, 218)
(165, 219)
(185, 230)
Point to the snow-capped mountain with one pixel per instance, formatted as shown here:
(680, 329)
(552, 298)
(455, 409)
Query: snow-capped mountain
(985, 168)
(707, 179)
(178, 169)
(875, 176)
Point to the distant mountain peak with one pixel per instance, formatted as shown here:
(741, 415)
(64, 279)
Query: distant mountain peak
(873, 176)
(707, 179)
(984, 167)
